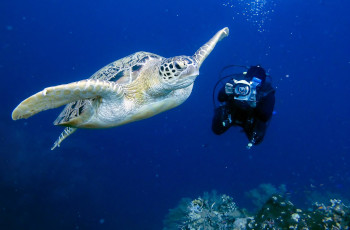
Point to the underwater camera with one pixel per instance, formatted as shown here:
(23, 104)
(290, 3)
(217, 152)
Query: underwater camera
(243, 90)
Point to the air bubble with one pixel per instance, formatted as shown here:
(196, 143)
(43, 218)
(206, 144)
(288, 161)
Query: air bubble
(255, 12)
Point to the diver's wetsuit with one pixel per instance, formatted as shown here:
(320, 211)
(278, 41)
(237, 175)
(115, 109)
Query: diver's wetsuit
(233, 112)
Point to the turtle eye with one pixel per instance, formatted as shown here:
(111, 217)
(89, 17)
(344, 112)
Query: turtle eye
(178, 65)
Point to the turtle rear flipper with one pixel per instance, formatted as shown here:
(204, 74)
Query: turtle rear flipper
(57, 96)
(66, 132)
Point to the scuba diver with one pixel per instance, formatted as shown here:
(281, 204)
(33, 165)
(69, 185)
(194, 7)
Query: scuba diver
(247, 100)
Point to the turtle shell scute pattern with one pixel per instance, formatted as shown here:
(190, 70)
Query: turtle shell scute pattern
(122, 71)
(124, 68)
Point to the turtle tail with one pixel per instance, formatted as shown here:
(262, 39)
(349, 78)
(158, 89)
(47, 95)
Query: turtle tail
(66, 132)
(203, 52)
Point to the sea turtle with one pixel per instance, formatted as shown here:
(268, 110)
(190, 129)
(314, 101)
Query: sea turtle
(135, 87)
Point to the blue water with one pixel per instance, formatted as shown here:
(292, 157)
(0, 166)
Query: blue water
(128, 177)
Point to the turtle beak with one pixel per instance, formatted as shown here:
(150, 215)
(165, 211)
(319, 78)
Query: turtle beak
(191, 72)
(203, 52)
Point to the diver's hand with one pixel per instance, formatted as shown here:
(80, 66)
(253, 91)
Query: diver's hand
(229, 88)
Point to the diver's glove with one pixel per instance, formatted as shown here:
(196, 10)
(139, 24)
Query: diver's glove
(229, 89)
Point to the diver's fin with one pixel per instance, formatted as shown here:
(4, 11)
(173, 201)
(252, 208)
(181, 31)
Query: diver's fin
(57, 96)
(66, 132)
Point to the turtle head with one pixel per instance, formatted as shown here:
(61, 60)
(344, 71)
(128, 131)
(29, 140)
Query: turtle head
(181, 71)
(178, 72)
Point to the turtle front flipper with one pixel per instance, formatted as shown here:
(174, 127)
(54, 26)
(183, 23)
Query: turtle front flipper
(203, 52)
(57, 96)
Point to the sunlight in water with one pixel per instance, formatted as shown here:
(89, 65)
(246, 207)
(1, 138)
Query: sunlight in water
(254, 11)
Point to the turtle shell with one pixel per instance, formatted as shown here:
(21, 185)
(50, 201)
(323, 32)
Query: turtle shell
(125, 70)
(122, 71)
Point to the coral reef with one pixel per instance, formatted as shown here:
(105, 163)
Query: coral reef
(214, 211)
(209, 212)
(278, 213)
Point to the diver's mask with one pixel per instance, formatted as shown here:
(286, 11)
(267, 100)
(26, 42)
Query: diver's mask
(244, 90)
